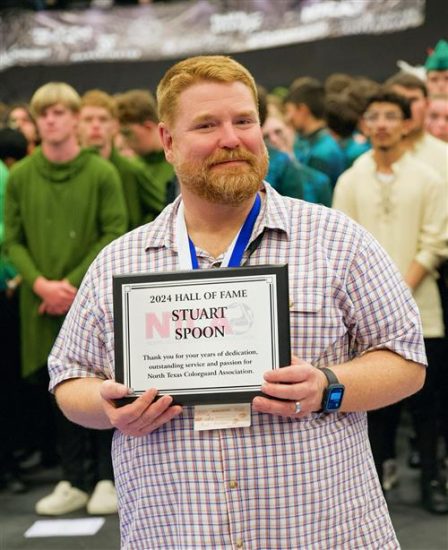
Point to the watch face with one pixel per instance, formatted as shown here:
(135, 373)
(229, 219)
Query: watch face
(334, 398)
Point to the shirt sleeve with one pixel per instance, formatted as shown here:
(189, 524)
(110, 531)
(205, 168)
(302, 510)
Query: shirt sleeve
(385, 315)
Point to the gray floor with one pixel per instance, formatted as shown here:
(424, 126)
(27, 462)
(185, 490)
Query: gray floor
(416, 529)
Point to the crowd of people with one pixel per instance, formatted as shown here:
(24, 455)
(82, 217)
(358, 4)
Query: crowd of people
(77, 172)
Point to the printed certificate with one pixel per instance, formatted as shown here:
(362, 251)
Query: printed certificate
(204, 336)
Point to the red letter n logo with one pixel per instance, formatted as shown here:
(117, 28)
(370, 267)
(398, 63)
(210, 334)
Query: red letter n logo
(162, 327)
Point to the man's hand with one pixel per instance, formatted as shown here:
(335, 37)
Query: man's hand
(44, 307)
(142, 416)
(300, 382)
(57, 296)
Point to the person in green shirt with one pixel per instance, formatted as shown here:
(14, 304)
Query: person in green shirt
(63, 205)
(137, 114)
(98, 126)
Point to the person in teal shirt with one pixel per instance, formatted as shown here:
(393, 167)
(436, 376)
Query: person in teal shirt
(354, 146)
(343, 114)
(285, 173)
(314, 146)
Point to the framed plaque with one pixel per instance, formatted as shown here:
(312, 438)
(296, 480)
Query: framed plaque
(204, 336)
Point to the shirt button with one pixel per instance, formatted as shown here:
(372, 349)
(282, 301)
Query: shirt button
(239, 543)
(233, 484)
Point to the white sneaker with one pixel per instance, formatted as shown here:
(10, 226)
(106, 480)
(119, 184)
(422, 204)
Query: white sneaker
(62, 500)
(103, 499)
(390, 474)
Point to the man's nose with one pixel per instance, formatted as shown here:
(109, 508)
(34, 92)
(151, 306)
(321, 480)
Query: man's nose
(228, 138)
(382, 122)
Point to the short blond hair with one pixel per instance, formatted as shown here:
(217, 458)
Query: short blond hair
(99, 98)
(52, 93)
(182, 75)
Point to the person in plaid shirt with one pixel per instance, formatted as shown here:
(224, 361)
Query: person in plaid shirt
(297, 477)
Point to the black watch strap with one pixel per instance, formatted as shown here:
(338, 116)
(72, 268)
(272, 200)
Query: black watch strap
(330, 375)
(333, 393)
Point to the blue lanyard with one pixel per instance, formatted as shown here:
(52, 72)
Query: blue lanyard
(241, 242)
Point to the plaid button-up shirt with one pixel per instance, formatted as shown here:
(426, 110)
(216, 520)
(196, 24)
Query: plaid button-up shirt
(281, 483)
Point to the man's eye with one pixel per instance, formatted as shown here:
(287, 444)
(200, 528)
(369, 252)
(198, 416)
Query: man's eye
(243, 121)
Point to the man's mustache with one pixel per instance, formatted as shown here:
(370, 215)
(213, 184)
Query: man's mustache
(228, 156)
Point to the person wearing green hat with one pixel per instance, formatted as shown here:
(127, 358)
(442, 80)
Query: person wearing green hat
(436, 66)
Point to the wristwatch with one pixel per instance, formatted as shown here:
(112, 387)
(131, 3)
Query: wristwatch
(333, 393)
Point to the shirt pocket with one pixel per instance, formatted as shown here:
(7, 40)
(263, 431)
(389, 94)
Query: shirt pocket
(306, 300)
(305, 307)
(316, 325)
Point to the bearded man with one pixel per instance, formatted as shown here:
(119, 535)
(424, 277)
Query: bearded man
(270, 484)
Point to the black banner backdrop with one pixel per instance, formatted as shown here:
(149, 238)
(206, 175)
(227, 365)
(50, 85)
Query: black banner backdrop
(278, 40)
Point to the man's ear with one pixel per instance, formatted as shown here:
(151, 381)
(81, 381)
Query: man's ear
(167, 141)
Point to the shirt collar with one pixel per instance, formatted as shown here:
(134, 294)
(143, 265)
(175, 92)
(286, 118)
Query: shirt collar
(154, 156)
(316, 134)
(273, 216)
(368, 159)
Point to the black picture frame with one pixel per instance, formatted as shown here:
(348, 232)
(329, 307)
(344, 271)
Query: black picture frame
(277, 317)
